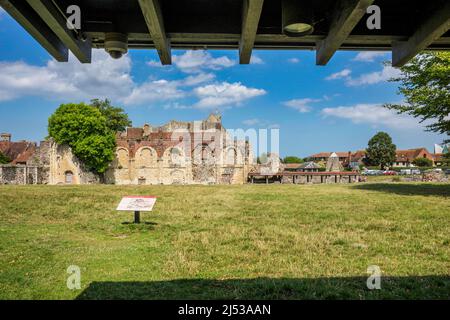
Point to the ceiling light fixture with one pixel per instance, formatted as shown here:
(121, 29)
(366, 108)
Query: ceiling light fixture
(297, 18)
(116, 44)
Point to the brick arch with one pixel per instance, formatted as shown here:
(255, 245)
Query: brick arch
(232, 156)
(146, 157)
(122, 157)
(203, 154)
(174, 157)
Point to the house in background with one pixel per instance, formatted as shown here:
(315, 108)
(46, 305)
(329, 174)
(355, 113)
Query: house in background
(17, 152)
(309, 166)
(347, 159)
(405, 158)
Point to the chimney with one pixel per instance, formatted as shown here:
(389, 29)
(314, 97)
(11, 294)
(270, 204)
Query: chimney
(5, 137)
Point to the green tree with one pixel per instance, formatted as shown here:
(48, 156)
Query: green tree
(422, 162)
(381, 150)
(117, 119)
(446, 158)
(86, 131)
(4, 159)
(292, 159)
(425, 84)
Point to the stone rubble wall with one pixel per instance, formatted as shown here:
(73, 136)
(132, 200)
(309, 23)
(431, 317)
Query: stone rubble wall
(22, 174)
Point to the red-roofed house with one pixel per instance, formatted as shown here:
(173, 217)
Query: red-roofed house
(405, 158)
(18, 152)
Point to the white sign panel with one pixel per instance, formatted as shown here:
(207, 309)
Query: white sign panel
(137, 203)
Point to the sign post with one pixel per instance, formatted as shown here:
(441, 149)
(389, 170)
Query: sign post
(137, 217)
(137, 204)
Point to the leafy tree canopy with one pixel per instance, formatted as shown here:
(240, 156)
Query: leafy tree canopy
(425, 84)
(85, 129)
(381, 150)
(117, 119)
(292, 159)
(4, 159)
(423, 162)
(447, 158)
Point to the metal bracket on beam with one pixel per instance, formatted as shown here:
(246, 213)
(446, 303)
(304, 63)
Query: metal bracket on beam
(58, 24)
(37, 28)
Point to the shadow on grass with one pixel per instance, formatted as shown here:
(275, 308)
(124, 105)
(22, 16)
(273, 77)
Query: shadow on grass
(147, 223)
(442, 190)
(423, 287)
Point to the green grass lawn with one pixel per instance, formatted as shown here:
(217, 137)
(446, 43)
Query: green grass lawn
(207, 242)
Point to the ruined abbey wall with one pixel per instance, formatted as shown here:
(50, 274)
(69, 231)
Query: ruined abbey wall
(199, 152)
(180, 153)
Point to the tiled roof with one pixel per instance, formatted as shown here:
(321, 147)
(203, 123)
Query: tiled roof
(17, 152)
(408, 155)
(327, 154)
(310, 165)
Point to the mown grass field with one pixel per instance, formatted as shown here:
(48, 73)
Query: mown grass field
(227, 242)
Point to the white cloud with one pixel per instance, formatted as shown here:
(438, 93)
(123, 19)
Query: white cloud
(224, 95)
(108, 78)
(155, 64)
(385, 74)
(372, 114)
(194, 61)
(157, 90)
(176, 105)
(369, 56)
(198, 79)
(293, 60)
(251, 122)
(256, 60)
(301, 105)
(255, 122)
(339, 75)
(105, 77)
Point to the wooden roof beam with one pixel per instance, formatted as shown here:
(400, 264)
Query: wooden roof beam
(250, 20)
(346, 16)
(58, 24)
(151, 10)
(36, 27)
(433, 28)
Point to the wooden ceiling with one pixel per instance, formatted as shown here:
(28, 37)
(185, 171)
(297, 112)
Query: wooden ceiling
(407, 27)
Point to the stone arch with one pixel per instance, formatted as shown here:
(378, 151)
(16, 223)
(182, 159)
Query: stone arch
(174, 157)
(177, 177)
(68, 177)
(146, 157)
(123, 158)
(203, 154)
(232, 156)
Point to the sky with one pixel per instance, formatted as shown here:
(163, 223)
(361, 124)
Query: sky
(337, 107)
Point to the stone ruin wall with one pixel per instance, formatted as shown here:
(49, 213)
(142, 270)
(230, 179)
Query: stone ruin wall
(146, 157)
(48, 165)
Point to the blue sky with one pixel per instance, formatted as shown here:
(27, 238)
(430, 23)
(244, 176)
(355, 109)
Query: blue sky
(331, 108)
